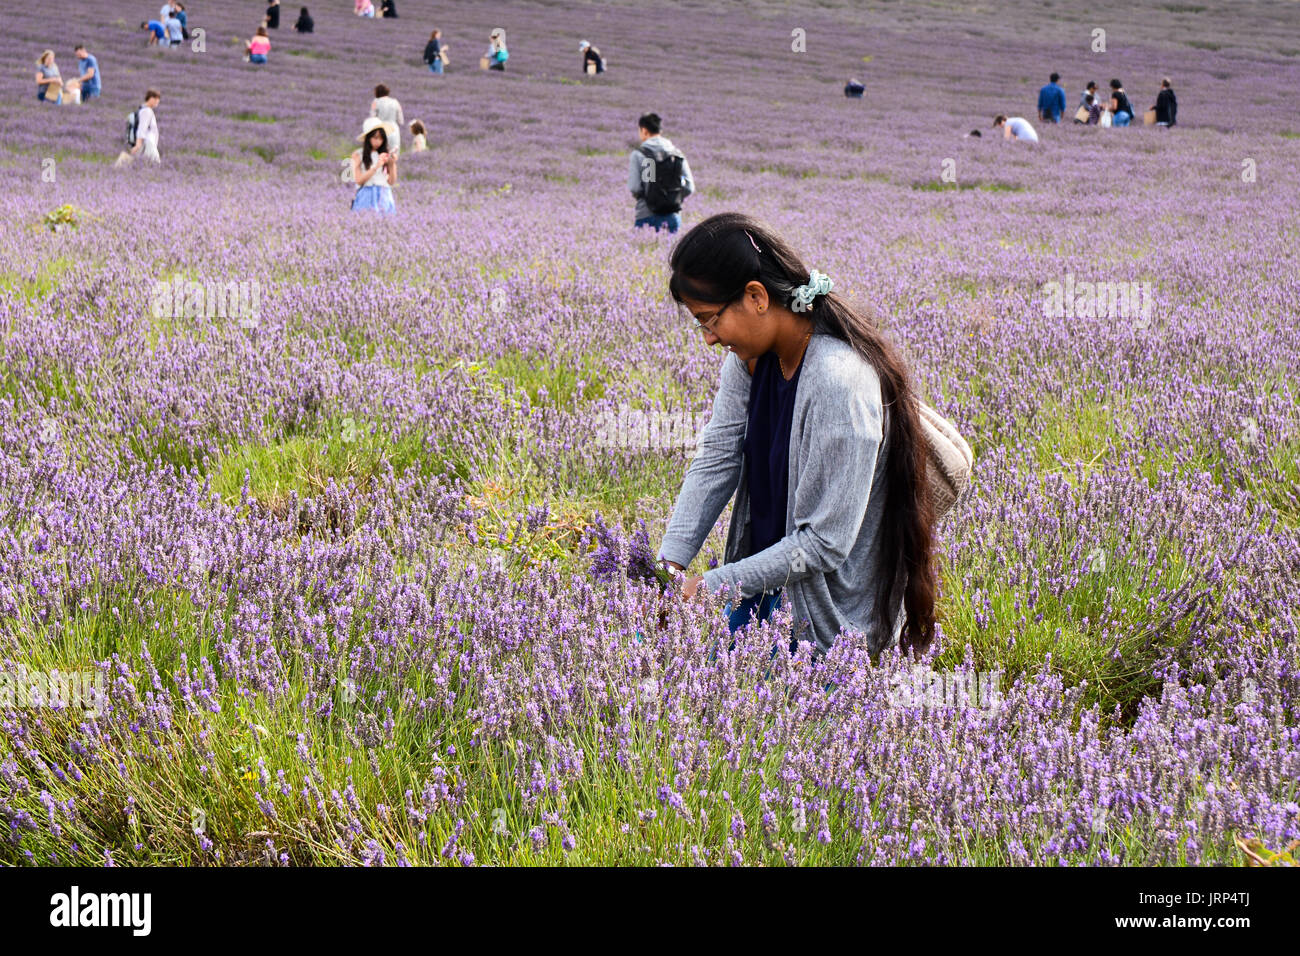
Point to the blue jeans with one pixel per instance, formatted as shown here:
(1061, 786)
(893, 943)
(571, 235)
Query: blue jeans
(1121, 119)
(257, 58)
(435, 66)
(672, 221)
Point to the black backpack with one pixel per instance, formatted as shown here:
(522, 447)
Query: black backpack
(664, 191)
(132, 125)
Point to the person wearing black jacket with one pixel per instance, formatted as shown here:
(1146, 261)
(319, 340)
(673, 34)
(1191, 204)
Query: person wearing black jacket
(591, 58)
(1166, 105)
(305, 23)
(433, 52)
(273, 15)
(388, 9)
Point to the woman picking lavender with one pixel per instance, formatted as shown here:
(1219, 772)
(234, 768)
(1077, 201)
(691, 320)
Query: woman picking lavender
(816, 431)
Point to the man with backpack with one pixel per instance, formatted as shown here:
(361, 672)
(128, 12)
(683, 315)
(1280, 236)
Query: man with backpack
(142, 131)
(659, 177)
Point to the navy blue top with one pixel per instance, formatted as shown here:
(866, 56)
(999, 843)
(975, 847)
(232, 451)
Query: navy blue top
(767, 449)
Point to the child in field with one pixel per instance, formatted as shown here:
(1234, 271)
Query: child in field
(418, 142)
(72, 92)
(817, 432)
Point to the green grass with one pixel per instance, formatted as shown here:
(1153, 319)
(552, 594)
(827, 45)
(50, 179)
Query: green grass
(42, 284)
(342, 450)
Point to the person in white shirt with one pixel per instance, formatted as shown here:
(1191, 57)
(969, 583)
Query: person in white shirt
(1016, 126)
(146, 129)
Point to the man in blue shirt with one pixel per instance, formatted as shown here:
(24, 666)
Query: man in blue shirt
(157, 32)
(1051, 100)
(89, 69)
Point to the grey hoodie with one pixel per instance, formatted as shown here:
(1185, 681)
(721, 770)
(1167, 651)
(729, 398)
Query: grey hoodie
(636, 162)
(829, 561)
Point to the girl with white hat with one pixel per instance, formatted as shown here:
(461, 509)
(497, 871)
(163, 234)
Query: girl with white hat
(374, 168)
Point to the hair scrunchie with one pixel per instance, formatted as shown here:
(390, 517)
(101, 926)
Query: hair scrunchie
(819, 283)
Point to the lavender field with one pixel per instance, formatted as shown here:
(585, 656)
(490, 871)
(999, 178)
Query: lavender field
(350, 571)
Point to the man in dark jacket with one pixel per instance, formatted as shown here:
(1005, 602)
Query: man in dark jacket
(273, 15)
(1166, 105)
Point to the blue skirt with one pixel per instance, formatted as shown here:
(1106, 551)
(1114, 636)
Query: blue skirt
(378, 198)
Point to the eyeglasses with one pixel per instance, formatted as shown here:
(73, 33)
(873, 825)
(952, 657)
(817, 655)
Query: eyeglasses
(708, 324)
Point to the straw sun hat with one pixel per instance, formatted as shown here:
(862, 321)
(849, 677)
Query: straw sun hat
(374, 123)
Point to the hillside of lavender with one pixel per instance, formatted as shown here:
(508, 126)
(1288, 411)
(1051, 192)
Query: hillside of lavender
(353, 575)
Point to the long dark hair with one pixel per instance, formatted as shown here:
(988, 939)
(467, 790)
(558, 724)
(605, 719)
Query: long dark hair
(366, 151)
(712, 264)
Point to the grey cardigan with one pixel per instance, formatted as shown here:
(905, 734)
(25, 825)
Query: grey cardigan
(829, 561)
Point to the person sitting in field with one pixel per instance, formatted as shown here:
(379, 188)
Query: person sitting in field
(854, 89)
(258, 47)
(418, 142)
(388, 9)
(364, 8)
(1166, 105)
(157, 32)
(1016, 126)
(49, 84)
(592, 61)
(304, 24)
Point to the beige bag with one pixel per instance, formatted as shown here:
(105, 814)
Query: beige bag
(1081, 114)
(1149, 118)
(591, 68)
(483, 63)
(950, 460)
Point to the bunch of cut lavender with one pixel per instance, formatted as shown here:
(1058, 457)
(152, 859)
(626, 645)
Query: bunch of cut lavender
(616, 555)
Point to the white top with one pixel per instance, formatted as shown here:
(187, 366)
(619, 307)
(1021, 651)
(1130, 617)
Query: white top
(146, 128)
(380, 178)
(1021, 129)
(390, 111)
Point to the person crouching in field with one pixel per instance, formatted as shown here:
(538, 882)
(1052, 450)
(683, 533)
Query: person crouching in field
(259, 47)
(1016, 126)
(374, 168)
(592, 61)
(816, 430)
